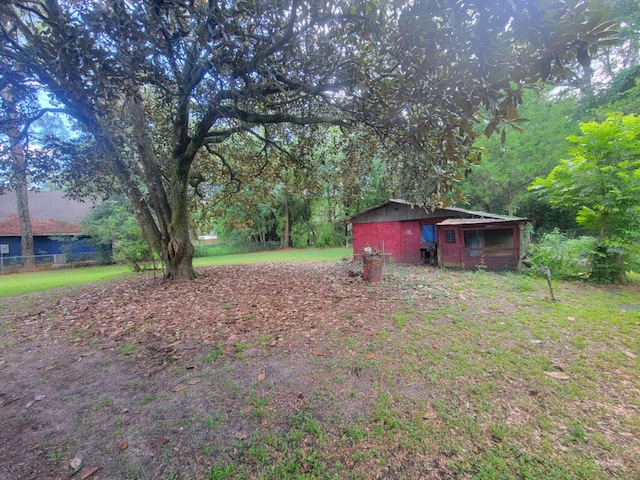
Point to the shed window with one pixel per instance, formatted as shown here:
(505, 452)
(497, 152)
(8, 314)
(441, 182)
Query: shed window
(450, 236)
(474, 241)
(499, 238)
(494, 238)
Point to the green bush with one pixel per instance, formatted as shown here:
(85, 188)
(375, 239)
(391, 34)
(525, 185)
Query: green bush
(567, 258)
(608, 264)
(329, 235)
(301, 233)
(216, 250)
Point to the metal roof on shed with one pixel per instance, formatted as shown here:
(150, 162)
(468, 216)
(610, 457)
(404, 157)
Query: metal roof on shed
(422, 212)
(479, 221)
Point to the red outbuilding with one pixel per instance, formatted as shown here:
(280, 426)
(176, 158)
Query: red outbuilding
(450, 237)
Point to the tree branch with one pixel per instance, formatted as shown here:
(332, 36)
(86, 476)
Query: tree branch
(259, 118)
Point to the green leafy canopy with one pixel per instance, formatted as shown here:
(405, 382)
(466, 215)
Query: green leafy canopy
(602, 177)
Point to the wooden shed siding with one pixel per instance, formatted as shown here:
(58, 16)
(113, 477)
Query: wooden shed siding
(396, 228)
(382, 237)
(410, 242)
(457, 255)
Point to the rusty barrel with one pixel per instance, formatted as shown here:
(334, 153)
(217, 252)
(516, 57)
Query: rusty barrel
(372, 269)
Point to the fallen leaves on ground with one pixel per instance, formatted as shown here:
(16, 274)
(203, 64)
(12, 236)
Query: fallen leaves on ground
(283, 305)
(158, 443)
(87, 473)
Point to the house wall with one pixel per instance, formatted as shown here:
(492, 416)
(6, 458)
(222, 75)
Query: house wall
(14, 245)
(47, 246)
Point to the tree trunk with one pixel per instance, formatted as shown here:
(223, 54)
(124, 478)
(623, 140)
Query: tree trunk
(510, 206)
(19, 183)
(178, 251)
(608, 266)
(285, 199)
(24, 219)
(330, 204)
(168, 232)
(179, 259)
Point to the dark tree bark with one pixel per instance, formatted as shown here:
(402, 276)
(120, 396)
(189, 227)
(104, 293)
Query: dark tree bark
(285, 240)
(24, 217)
(19, 181)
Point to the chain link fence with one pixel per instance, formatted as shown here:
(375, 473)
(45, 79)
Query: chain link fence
(12, 264)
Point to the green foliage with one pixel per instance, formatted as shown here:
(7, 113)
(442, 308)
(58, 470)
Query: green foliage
(112, 223)
(567, 258)
(301, 235)
(602, 178)
(247, 225)
(622, 95)
(329, 235)
(349, 172)
(609, 264)
(499, 183)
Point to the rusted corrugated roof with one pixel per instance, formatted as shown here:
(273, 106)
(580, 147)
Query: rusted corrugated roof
(51, 214)
(472, 213)
(479, 221)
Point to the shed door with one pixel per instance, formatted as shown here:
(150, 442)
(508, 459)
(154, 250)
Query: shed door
(449, 247)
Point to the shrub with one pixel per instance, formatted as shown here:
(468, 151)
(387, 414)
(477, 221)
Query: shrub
(329, 235)
(567, 258)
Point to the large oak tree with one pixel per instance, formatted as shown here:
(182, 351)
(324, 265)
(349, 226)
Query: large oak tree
(156, 85)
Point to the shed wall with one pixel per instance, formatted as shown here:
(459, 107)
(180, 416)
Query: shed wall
(495, 255)
(401, 240)
(395, 228)
(381, 236)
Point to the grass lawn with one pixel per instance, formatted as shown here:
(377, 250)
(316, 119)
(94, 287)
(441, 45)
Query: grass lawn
(277, 256)
(19, 283)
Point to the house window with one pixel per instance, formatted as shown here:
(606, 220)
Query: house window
(450, 236)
